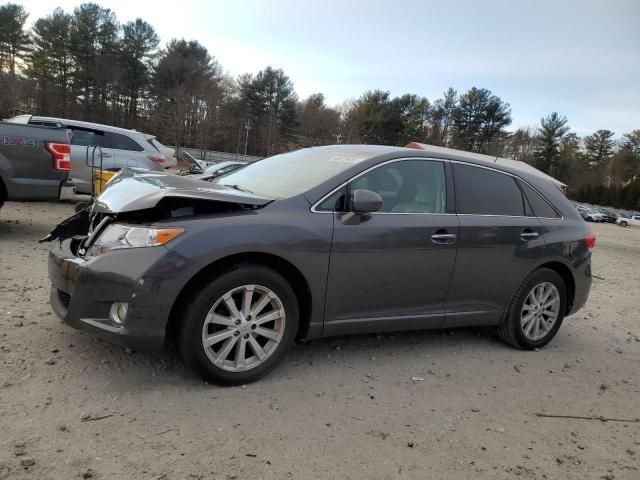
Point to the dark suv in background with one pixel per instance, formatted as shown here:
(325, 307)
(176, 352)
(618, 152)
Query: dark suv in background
(318, 242)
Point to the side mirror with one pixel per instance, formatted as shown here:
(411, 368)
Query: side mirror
(365, 201)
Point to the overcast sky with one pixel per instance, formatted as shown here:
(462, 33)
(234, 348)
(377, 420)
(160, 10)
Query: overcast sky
(578, 57)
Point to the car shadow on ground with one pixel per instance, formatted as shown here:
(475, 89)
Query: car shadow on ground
(165, 367)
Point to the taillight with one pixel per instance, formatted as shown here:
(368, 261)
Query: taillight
(590, 240)
(157, 160)
(61, 155)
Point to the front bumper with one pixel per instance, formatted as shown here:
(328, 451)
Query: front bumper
(84, 290)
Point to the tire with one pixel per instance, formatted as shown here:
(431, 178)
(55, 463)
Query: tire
(623, 224)
(219, 363)
(513, 329)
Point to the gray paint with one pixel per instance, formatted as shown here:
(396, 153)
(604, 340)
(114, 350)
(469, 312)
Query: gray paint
(26, 169)
(385, 273)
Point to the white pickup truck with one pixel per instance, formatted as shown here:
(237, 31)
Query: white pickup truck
(633, 221)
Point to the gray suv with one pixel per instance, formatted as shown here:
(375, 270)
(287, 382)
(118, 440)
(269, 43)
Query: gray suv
(118, 148)
(318, 242)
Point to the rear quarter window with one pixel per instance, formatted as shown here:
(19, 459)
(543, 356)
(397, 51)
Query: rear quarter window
(480, 191)
(540, 206)
(122, 142)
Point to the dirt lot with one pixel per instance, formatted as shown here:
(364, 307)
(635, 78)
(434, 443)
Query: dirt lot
(72, 406)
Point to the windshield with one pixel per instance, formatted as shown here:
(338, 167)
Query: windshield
(292, 173)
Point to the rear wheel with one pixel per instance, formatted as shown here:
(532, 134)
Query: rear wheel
(240, 326)
(536, 311)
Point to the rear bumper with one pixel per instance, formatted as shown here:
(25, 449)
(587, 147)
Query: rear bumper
(83, 291)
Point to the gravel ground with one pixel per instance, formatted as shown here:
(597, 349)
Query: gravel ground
(72, 406)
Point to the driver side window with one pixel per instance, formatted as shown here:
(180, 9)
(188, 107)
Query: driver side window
(407, 186)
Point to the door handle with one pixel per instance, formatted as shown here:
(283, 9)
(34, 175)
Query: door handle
(105, 154)
(442, 236)
(527, 235)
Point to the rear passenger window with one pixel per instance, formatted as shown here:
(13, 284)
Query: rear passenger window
(122, 142)
(84, 137)
(539, 205)
(480, 191)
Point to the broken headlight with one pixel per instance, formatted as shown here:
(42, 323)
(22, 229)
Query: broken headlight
(117, 236)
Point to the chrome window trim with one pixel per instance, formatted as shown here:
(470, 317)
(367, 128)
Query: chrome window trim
(313, 207)
(515, 177)
(562, 217)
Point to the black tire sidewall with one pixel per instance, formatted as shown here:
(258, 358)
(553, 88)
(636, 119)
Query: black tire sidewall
(537, 277)
(190, 334)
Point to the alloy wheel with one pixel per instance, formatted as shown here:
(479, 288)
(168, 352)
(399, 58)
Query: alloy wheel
(540, 311)
(243, 328)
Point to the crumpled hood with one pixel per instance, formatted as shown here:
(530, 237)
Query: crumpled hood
(137, 189)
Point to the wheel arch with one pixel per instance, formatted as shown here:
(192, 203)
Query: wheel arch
(570, 283)
(290, 272)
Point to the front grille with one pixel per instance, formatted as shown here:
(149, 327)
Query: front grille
(64, 298)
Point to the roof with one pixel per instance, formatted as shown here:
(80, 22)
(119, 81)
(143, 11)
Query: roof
(486, 159)
(82, 123)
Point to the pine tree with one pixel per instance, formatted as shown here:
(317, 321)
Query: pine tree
(14, 46)
(479, 120)
(598, 149)
(552, 129)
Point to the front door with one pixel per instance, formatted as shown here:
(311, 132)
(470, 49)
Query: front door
(391, 271)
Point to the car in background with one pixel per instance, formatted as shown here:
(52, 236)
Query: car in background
(104, 146)
(608, 216)
(590, 214)
(216, 170)
(632, 221)
(34, 162)
(168, 152)
(318, 242)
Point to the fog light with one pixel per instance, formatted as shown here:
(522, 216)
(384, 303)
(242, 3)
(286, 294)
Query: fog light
(118, 312)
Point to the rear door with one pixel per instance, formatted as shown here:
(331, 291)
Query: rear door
(88, 146)
(391, 271)
(498, 245)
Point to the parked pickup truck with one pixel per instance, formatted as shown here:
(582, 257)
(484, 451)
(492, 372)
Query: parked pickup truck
(34, 162)
(633, 221)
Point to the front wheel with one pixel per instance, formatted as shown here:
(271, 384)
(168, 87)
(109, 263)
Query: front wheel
(536, 311)
(624, 224)
(240, 326)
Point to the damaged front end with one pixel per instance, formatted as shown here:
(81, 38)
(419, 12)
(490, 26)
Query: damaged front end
(135, 199)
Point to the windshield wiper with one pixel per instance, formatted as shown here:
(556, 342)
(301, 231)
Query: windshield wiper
(237, 187)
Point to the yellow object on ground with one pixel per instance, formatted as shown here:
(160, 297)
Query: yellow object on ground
(100, 179)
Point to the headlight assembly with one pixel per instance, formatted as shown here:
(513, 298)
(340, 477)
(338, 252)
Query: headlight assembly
(116, 236)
